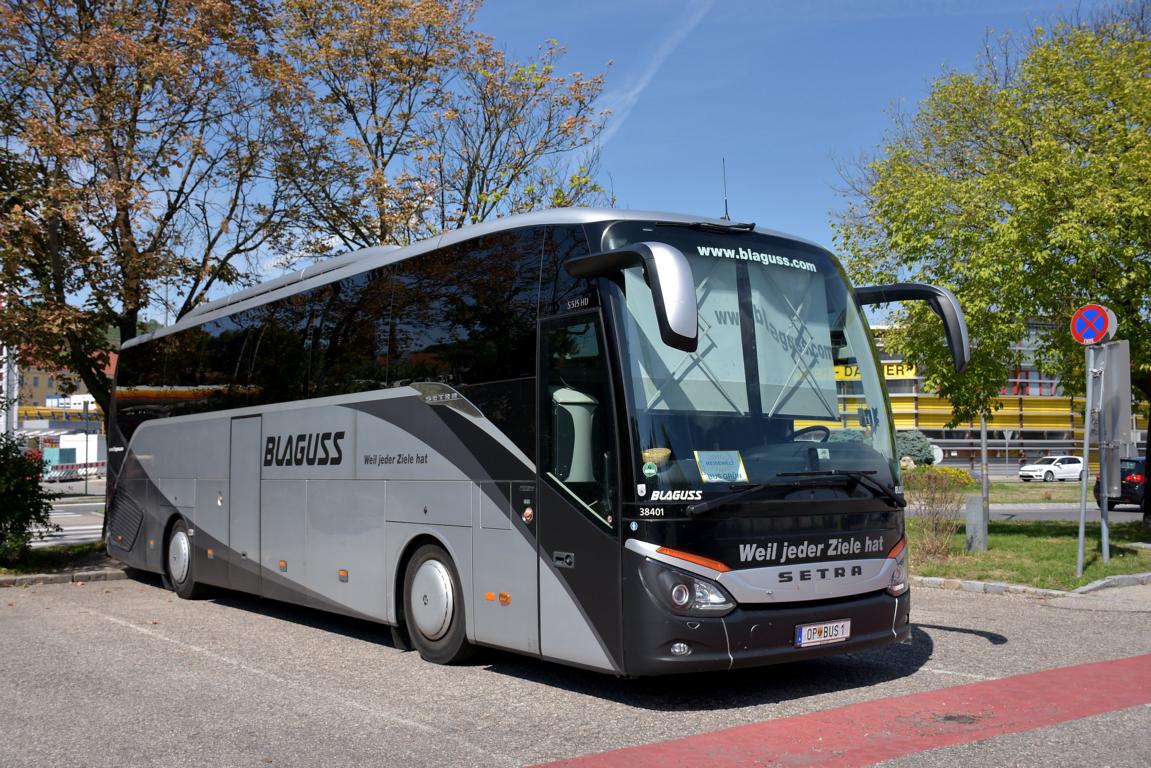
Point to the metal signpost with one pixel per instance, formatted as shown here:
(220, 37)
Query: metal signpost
(1092, 325)
(9, 389)
(10, 386)
(86, 469)
(978, 513)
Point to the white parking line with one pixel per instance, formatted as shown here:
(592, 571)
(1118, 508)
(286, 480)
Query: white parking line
(956, 674)
(486, 758)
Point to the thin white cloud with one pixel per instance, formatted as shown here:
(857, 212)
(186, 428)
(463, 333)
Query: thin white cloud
(622, 101)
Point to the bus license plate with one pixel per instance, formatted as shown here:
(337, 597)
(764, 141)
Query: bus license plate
(824, 632)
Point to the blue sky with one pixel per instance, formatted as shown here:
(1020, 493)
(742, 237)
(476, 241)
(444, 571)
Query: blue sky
(786, 91)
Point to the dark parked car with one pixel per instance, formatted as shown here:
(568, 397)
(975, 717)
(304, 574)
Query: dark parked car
(1134, 473)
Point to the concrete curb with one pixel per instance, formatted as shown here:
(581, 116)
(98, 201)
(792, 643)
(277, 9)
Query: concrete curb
(1127, 580)
(77, 577)
(984, 587)
(1000, 588)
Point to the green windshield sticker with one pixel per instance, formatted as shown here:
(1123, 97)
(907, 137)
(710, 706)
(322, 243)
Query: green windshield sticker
(720, 466)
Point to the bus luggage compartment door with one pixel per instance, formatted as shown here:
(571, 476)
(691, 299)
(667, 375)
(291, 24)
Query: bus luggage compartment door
(505, 589)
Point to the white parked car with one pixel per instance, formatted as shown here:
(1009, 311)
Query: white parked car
(1053, 468)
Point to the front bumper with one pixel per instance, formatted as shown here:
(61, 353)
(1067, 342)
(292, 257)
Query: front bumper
(759, 635)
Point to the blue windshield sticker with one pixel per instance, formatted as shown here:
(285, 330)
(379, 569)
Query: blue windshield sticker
(721, 466)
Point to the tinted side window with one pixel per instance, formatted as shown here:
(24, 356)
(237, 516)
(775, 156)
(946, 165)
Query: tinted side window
(348, 346)
(559, 291)
(493, 315)
(277, 370)
(138, 371)
(193, 371)
(466, 315)
(496, 328)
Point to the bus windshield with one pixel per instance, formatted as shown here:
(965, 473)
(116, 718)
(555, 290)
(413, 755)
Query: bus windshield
(784, 387)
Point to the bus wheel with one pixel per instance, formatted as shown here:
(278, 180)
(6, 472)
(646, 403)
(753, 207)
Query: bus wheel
(180, 567)
(434, 607)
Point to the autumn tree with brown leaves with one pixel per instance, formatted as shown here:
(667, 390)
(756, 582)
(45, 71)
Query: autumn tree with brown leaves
(403, 122)
(133, 167)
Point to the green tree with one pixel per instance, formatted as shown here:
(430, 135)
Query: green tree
(1023, 188)
(25, 513)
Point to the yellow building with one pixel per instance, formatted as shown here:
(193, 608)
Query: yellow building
(1033, 417)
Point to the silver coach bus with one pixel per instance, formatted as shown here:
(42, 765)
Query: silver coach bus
(607, 438)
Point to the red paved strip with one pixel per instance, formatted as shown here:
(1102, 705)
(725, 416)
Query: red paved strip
(867, 733)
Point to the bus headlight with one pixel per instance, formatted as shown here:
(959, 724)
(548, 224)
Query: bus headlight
(898, 554)
(684, 593)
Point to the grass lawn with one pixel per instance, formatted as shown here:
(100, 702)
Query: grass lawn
(49, 559)
(1041, 554)
(1016, 492)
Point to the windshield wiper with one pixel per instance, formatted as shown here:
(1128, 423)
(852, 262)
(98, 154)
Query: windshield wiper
(740, 491)
(854, 476)
(813, 478)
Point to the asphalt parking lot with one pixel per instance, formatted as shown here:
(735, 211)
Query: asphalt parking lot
(123, 673)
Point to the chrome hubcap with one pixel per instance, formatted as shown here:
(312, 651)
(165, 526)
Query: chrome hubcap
(432, 600)
(179, 556)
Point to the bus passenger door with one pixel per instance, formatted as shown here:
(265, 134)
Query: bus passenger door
(244, 505)
(578, 522)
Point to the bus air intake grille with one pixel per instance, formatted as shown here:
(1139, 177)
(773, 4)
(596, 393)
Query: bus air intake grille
(124, 521)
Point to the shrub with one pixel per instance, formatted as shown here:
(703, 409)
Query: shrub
(961, 476)
(913, 443)
(936, 497)
(26, 508)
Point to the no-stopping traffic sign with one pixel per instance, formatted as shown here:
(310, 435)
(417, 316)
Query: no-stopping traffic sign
(1093, 324)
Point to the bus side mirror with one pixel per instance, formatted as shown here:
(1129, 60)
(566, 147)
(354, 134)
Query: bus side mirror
(942, 302)
(667, 274)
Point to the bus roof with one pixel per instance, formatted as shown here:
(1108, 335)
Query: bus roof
(366, 259)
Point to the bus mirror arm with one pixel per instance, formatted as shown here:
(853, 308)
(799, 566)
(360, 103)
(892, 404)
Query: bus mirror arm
(942, 302)
(669, 276)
